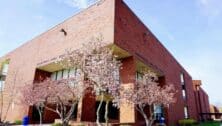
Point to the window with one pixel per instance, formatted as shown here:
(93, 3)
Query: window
(184, 94)
(59, 75)
(5, 69)
(53, 75)
(2, 84)
(183, 86)
(186, 112)
(65, 74)
(113, 112)
(158, 112)
(72, 72)
(139, 76)
(182, 78)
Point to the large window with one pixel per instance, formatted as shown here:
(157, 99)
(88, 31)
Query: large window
(64, 74)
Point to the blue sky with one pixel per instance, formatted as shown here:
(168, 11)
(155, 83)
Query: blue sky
(190, 29)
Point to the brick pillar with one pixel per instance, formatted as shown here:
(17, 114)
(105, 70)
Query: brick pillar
(127, 77)
(88, 108)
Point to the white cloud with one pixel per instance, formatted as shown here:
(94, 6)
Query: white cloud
(80, 4)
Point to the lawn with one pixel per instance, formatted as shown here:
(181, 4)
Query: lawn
(214, 123)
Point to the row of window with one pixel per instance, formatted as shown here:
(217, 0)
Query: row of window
(65, 74)
(183, 86)
(74, 72)
(186, 115)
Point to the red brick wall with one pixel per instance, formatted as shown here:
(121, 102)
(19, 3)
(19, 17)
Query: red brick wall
(202, 103)
(132, 35)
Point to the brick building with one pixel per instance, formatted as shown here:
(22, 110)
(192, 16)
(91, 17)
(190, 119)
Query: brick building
(202, 101)
(133, 42)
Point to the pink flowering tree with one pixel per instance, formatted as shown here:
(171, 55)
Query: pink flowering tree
(147, 92)
(64, 94)
(32, 97)
(100, 67)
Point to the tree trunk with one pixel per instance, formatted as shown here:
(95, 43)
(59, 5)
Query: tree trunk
(69, 114)
(151, 119)
(106, 113)
(98, 110)
(64, 122)
(146, 119)
(40, 115)
(144, 116)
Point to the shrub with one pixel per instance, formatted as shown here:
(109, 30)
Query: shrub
(18, 122)
(187, 122)
(210, 123)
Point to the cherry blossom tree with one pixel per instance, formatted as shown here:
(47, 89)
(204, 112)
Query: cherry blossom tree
(64, 94)
(102, 69)
(33, 97)
(147, 92)
(99, 66)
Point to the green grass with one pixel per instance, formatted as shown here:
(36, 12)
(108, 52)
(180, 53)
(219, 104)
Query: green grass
(213, 123)
(191, 122)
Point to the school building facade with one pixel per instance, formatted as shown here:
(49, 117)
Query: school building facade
(132, 41)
